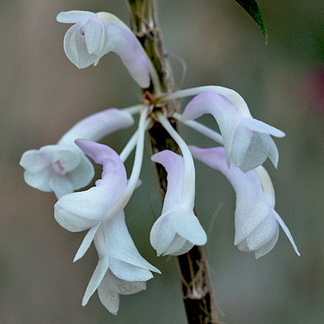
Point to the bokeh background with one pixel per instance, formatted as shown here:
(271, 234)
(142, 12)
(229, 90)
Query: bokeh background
(209, 42)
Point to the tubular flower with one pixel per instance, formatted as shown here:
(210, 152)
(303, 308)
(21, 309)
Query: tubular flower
(247, 141)
(256, 221)
(121, 270)
(86, 210)
(177, 230)
(97, 34)
(63, 167)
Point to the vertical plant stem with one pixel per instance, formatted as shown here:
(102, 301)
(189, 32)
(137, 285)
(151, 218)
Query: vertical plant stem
(197, 291)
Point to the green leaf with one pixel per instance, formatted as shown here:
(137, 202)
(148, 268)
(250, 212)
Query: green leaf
(253, 9)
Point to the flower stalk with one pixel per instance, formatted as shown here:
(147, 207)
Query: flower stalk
(197, 291)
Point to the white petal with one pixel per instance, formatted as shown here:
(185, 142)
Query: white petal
(162, 234)
(34, 161)
(86, 243)
(261, 127)
(80, 211)
(98, 275)
(74, 16)
(128, 271)
(111, 287)
(114, 239)
(98, 125)
(60, 185)
(173, 163)
(287, 232)
(39, 180)
(76, 49)
(187, 225)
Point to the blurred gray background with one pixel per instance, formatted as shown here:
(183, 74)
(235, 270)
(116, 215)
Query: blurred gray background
(42, 94)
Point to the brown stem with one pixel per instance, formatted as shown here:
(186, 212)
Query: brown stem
(197, 291)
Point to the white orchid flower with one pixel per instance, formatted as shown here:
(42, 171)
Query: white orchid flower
(63, 167)
(95, 34)
(247, 140)
(177, 230)
(256, 221)
(121, 270)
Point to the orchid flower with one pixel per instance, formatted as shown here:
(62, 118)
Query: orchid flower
(256, 221)
(177, 230)
(97, 34)
(247, 140)
(86, 210)
(121, 269)
(63, 167)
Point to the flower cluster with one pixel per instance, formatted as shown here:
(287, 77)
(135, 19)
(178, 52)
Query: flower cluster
(244, 143)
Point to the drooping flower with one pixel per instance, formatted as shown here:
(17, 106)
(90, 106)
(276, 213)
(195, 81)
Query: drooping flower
(97, 34)
(86, 210)
(177, 230)
(63, 167)
(121, 270)
(247, 141)
(256, 221)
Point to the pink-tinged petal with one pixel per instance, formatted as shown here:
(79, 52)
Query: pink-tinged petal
(87, 240)
(74, 16)
(256, 221)
(96, 279)
(129, 272)
(132, 54)
(247, 141)
(173, 164)
(114, 178)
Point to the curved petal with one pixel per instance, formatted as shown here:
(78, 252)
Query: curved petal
(132, 54)
(39, 180)
(98, 125)
(179, 246)
(113, 239)
(74, 16)
(187, 225)
(111, 287)
(95, 37)
(34, 161)
(80, 211)
(60, 185)
(129, 272)
(173, 164)
(76, 49)
(162, 234)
